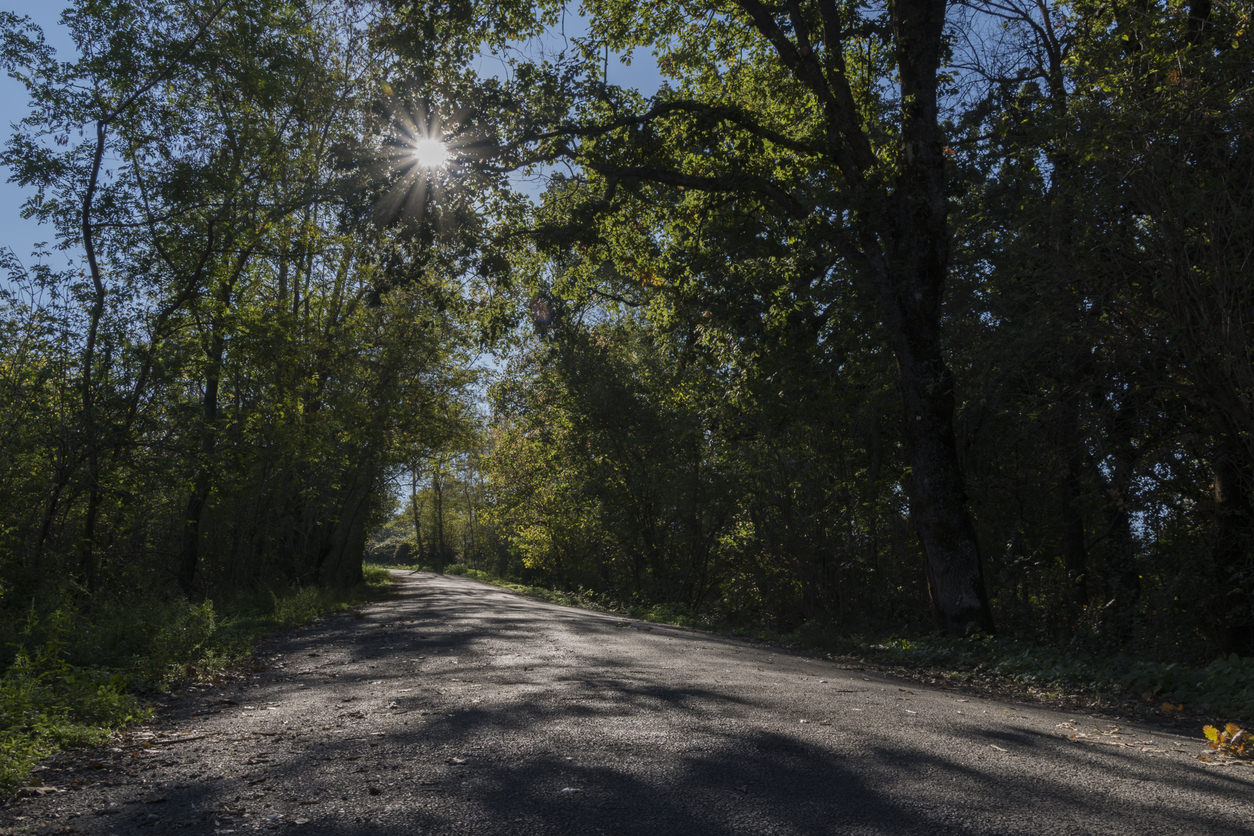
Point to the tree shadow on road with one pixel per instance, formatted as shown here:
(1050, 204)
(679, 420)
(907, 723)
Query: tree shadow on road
(455, 710)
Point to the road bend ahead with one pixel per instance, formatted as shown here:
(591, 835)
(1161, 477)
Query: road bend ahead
(460, 708)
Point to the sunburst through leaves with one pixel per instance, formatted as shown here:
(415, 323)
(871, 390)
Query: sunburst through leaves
(418, 158)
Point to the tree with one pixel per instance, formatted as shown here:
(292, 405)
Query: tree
(1165, 92)
(258, 337)
(775, 109)
(1082, 272)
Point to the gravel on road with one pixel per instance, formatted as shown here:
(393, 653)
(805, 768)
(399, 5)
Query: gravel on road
(457, 707)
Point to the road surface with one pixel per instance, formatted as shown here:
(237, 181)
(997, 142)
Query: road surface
(457, 707)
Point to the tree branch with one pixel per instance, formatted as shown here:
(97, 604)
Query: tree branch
(728, 184)
(848, 144)
(722, 113)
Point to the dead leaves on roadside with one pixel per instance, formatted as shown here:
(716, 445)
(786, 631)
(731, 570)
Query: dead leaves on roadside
(1230, 740)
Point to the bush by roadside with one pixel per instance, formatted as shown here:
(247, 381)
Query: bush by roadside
(75, 677)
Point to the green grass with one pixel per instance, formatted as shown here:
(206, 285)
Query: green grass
(75, 679)
(1221, 690)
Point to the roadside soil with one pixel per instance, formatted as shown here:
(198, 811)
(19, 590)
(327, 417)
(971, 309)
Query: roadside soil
(458, 707)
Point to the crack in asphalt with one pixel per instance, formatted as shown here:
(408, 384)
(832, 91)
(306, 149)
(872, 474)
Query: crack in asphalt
(457, 707)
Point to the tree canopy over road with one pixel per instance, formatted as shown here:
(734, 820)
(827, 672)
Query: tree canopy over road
(873, 318)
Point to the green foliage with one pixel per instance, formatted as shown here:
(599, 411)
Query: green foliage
(255, 347)
(307, 603)
(794, 333)
(76, 677)
(1224, 686)
(46, 702)
(622, 459)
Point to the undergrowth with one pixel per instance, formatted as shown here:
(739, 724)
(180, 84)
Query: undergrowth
(1222, 688)
(75, 676)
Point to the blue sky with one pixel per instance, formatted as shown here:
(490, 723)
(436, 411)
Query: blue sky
(15, 233)
(22, 235)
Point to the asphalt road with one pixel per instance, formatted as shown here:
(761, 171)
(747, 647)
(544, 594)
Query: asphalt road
(461, 708)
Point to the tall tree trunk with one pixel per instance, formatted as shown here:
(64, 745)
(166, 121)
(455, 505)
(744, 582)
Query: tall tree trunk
(202, 482)
(437, 514)
(470, 532)
(938, 501)
(91, 433)
(914, 241)
(416, 512)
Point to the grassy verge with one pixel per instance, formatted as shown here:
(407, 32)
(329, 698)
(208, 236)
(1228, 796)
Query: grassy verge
(76, 678)
(1222, 690)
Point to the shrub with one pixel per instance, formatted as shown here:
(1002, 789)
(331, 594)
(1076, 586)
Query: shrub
(47, 703)
(75, 675)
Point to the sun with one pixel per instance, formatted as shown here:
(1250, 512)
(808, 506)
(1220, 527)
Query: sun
(430, 153)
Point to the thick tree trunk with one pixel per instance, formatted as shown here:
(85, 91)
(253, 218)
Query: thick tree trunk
(938, 501)
(910, 285)
(913, 238)
(909, 262)
(1232, 551)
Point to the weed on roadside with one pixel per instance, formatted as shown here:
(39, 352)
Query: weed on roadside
(76, 677)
